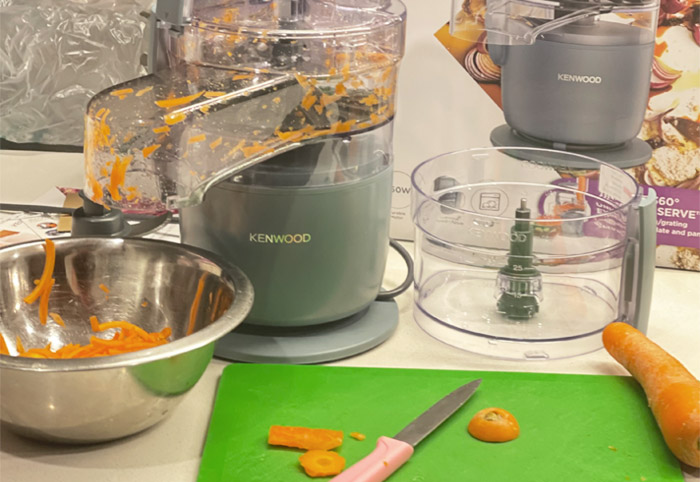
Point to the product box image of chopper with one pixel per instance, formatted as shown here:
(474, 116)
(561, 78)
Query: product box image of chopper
(599, 80)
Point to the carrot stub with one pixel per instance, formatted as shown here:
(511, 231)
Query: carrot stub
(305, 438)
(493, 425)
(672, 391)
(322, 463)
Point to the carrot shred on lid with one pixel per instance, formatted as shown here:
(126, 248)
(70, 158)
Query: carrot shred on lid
(121, 92)
(147, 151)
(177, 101)
(174, 118)
(144, 90)
(197, 138)
(161, 130)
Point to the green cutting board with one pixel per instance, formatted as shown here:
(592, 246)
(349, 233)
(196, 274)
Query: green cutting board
(573, 428)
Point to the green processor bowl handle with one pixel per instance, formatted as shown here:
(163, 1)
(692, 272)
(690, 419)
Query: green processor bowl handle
(642, 279)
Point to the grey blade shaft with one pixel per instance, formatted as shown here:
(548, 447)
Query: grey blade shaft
(429, 420)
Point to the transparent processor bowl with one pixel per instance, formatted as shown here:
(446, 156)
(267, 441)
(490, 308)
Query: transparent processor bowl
(517, 256)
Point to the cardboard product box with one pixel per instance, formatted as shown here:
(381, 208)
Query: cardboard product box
(449, 99)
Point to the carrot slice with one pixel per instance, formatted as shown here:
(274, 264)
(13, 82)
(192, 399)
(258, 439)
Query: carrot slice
(358, 436)
(50, 249)
(322, 463)
(305, 438)
(494, 425)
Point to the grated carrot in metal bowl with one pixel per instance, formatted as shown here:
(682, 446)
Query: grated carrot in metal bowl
(127, 337)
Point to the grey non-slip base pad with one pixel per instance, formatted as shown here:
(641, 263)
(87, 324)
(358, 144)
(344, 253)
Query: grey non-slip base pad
(313, 344)
(633, 153)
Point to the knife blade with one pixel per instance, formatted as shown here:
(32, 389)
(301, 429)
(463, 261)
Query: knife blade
(392, 452)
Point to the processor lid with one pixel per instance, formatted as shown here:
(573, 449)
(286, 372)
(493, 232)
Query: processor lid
(244, 81)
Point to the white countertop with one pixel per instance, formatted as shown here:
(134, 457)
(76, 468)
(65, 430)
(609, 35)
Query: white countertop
(171, 450)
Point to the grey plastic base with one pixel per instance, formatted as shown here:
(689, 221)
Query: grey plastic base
(311, 344)
(631, 154)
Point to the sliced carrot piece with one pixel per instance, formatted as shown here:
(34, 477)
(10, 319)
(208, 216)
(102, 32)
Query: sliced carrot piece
(322, 463)
(305, 438)
(494, 425)
(4, 350)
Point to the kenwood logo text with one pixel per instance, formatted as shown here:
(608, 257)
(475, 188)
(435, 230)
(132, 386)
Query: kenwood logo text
(299, 238)
(581, 79)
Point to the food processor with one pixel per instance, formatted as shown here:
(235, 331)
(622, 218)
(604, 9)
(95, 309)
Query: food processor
(575, 75)
(515, 258)
(267, 125)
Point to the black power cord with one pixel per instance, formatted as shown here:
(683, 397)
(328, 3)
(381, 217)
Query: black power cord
(393, 293)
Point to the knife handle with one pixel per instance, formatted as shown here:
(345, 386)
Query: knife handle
(385, 459)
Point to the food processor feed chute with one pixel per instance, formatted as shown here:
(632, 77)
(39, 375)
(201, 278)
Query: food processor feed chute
(574, 75)
(236, 83)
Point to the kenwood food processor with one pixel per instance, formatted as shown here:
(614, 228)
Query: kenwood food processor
(517, 259)
(268, 126)
(575, 75)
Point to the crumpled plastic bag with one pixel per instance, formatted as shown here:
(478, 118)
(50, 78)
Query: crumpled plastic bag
(56, 54)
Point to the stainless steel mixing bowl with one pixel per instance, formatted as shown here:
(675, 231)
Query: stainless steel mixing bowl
(150, 283)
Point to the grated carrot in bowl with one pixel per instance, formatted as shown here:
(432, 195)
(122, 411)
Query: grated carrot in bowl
(126, 338)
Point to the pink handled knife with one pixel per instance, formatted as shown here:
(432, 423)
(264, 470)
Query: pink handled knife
(392, 453)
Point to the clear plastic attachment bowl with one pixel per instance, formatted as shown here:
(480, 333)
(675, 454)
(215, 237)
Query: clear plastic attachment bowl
(529, 253)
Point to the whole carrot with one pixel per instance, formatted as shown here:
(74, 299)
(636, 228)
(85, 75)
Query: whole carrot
(672, 391)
